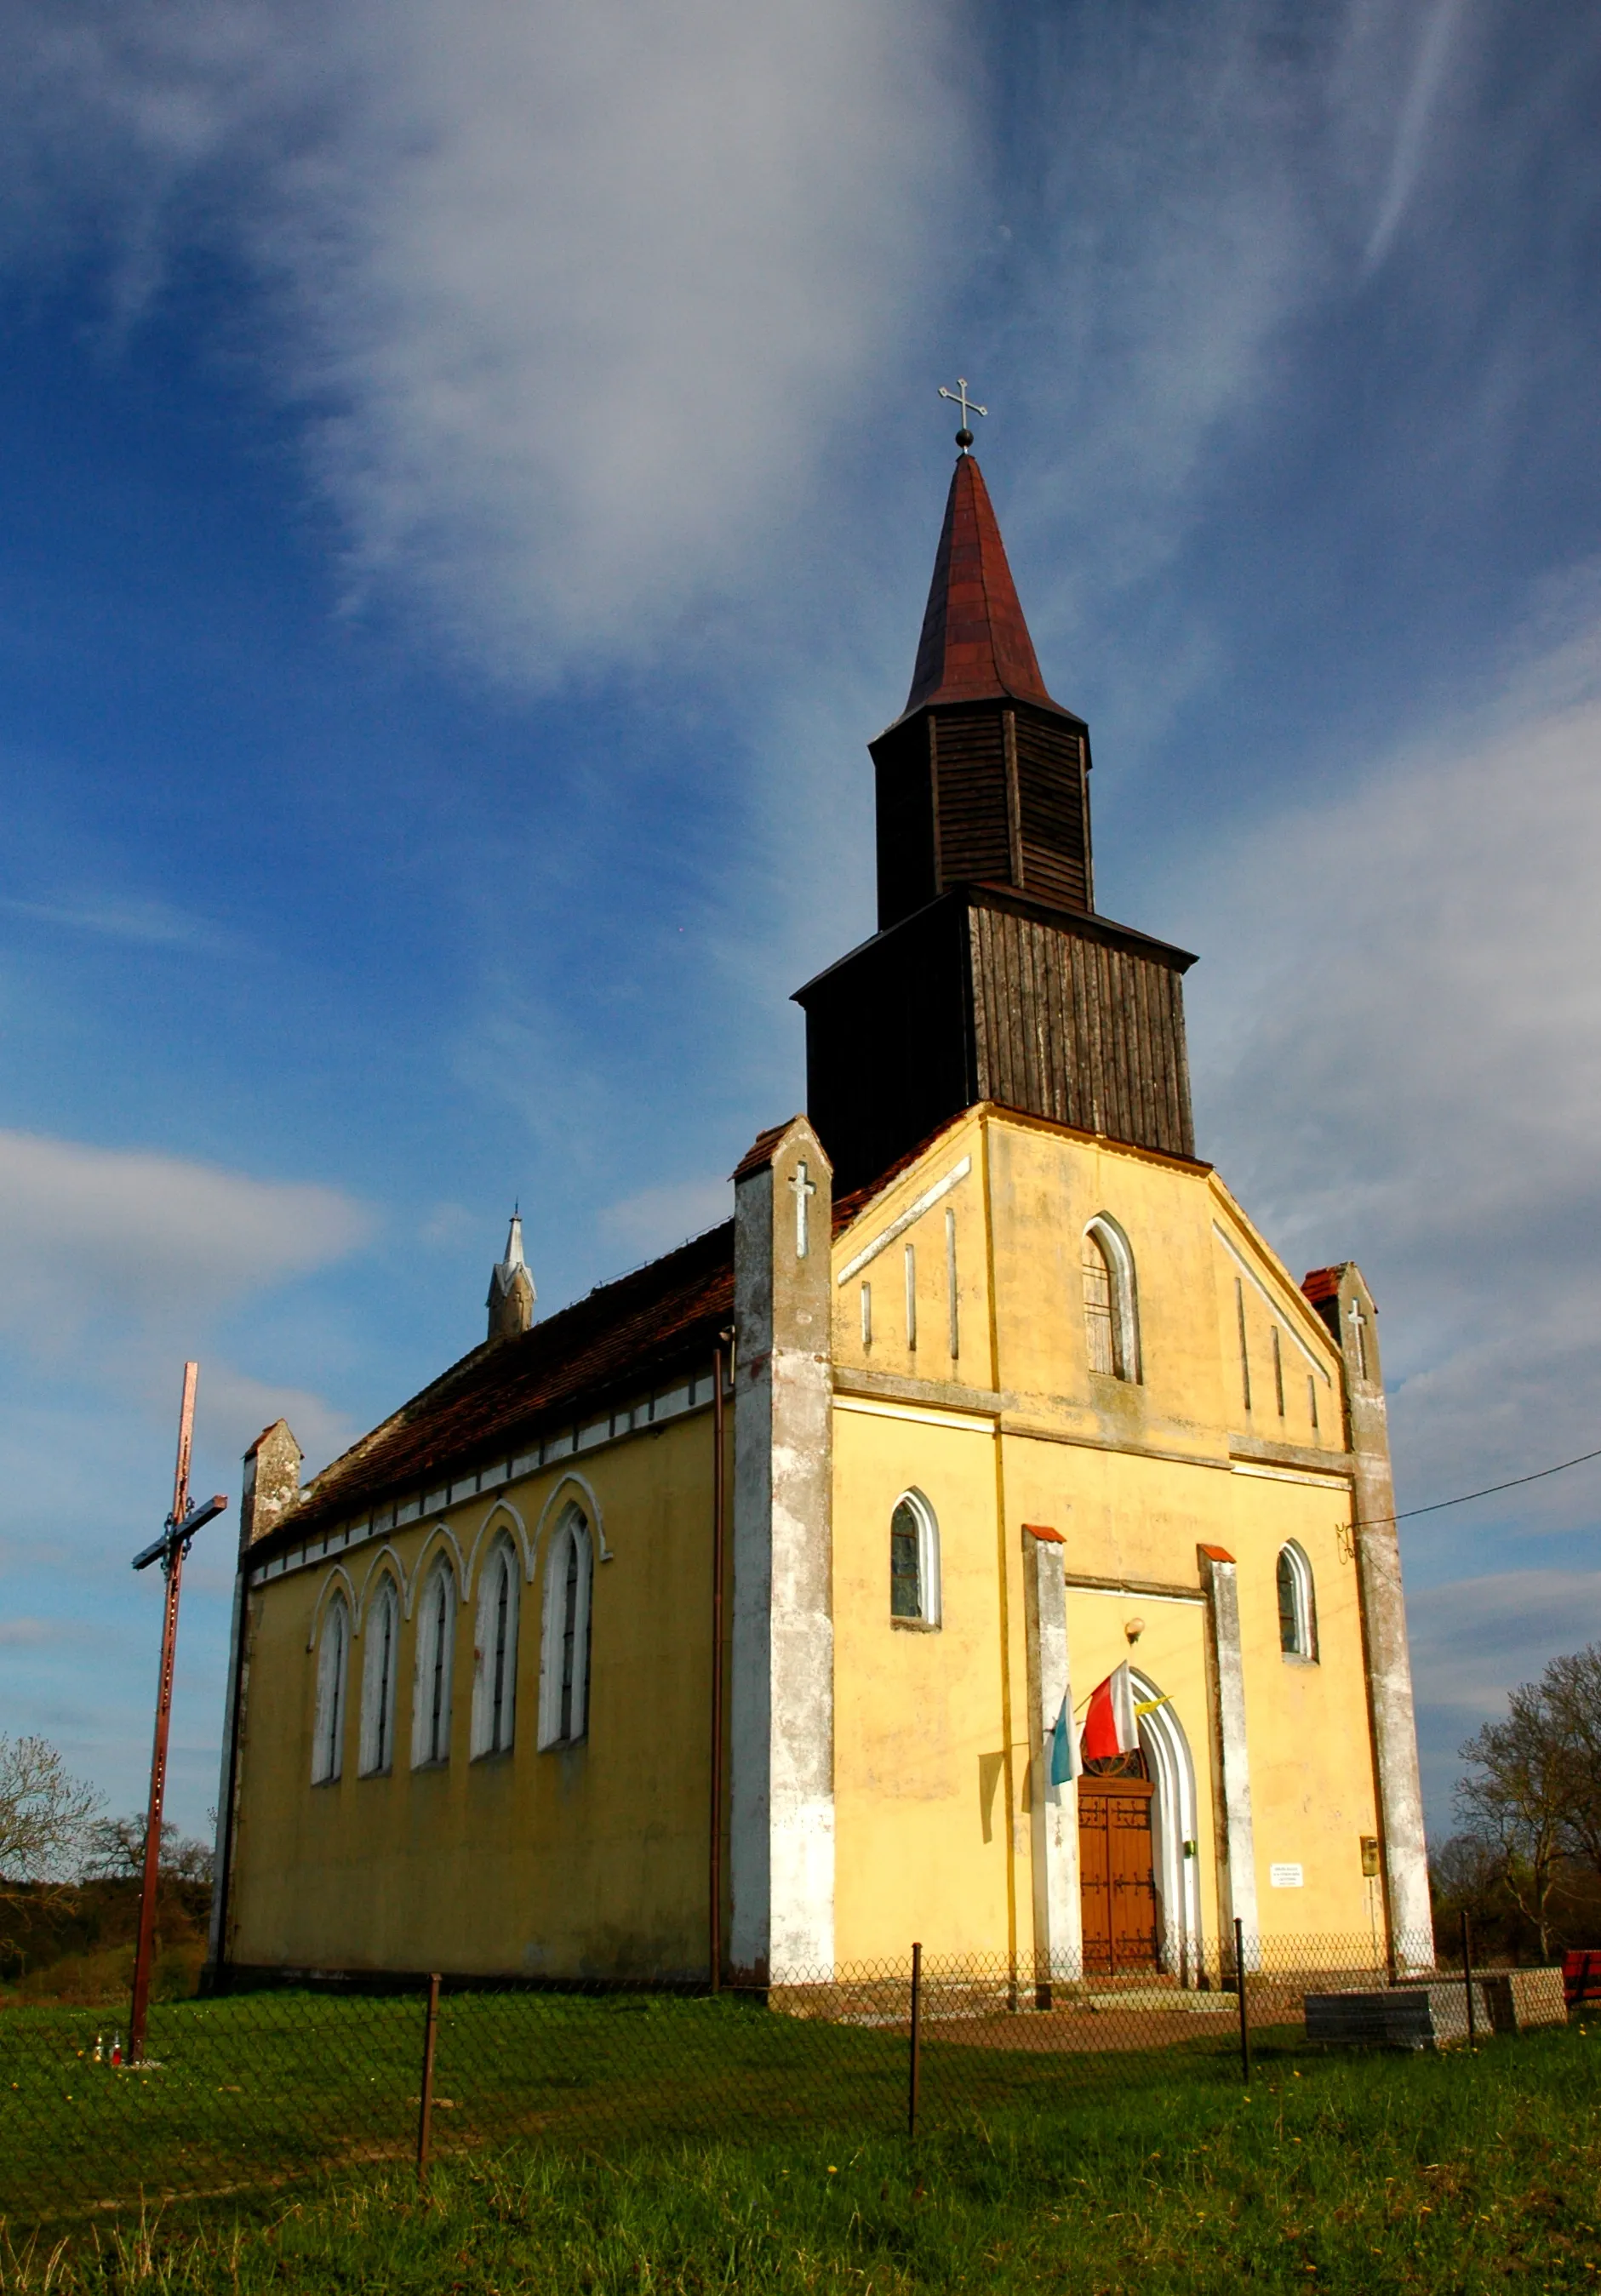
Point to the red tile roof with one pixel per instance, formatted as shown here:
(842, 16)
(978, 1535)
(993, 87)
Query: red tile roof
(1322, 1283)
(975, 645)
(622, 1336)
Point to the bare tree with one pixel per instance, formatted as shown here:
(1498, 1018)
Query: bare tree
(115, 1852)
(1571, 1688)
(44, 1813)
(1521, 1798)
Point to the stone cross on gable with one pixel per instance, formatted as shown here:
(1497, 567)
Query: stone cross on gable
(1358, 1322)
(803, 1189)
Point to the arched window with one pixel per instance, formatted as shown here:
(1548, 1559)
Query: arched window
(1111, 1319)
(494, 1654)
(1297, 1614)
(380, 1634)
(436, 1640)
(565, 1660)
(914, 1561)
(332, 1665)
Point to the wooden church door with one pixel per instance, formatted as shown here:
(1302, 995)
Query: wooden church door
(1117, 1874)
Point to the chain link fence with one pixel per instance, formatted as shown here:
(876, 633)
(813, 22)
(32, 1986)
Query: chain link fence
(245, 2092)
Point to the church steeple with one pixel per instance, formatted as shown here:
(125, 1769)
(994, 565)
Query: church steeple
(982, 778)
(991, 976)
(975, 645)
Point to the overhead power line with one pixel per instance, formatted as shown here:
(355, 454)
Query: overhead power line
(1377, 1523)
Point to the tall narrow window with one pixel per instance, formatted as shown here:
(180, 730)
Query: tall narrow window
(565, 1660)
(436, 1642)
(1239, 1310)
(1111, 1317)
(380, 1635)
(495, 1673)
(333, 1662)
(914, 1562)
(866, 1314)
(1297, 1616)
(1278, 1372)
(1312, 1397)
(911, 1295)
(1097, 1307)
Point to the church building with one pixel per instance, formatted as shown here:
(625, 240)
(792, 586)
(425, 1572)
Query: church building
(744, 1617)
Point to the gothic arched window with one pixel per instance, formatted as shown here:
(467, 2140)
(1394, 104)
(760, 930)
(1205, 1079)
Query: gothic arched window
(914, 1561)
(1111, 1318)
(1297, 1612)
(436, 1642)
(332, 1667)
(494, 1654)
(380, 1634)
(564, 1659)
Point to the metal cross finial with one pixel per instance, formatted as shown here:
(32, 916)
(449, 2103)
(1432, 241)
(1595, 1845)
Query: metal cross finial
(958, 398)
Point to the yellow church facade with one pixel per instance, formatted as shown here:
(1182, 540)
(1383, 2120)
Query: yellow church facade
(732, 1615)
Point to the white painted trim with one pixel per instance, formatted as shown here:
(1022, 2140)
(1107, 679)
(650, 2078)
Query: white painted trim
(1175, 1821)
(1058, 1911)
(485, 1530)
(422, 1755)
(331, 1712)
(483, 1712)
(1278, 1306)
(931, 1593)
(913, 1213)
(338, 1576)
(1334, 1481)
(962, 1421)
(573, 1530)
(1137, 1594)
(442, 1532)
(589, 1505)
(368, 1765)
(385, 1553)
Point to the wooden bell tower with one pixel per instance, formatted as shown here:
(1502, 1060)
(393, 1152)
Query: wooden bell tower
(991, 976)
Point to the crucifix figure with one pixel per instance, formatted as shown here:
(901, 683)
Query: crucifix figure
(801, 1188)
(1358, 1337)
(958, 398)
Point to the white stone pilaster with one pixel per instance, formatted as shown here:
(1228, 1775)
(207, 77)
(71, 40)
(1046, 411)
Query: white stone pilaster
(1236, 1890)
(1053, 1810)
(781, 1686)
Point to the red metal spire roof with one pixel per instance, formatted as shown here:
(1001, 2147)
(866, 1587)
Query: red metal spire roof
(975, 645)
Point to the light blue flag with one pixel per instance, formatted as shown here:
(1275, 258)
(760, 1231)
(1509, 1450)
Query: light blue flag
(1064, 1763)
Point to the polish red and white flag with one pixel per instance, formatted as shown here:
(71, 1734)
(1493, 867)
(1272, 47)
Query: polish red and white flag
(1110, 1726)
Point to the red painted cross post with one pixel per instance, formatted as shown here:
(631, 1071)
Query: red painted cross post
(168, 1551)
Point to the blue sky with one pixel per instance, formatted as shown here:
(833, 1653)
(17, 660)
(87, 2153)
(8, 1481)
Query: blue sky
(470, 475)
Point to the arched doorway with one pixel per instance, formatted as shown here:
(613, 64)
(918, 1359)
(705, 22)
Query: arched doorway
(1139, 1875)
(1175, 1829)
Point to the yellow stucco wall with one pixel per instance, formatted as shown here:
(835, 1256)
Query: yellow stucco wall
(588, 1859)
(1135, 1474)
(595, 1858)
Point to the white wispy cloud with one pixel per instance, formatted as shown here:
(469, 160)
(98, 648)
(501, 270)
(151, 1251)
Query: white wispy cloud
(1400, 1056)
(102, 1241)
(156, 924)
(561, 294)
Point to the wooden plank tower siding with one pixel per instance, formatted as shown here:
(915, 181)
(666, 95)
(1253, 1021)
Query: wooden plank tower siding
(991, 976)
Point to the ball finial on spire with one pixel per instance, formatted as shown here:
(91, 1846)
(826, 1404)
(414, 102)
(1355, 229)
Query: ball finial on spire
(958, 398)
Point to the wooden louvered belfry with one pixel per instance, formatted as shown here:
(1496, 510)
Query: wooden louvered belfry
(991, 976)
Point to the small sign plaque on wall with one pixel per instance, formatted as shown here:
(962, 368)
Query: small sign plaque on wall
(1287, 1877)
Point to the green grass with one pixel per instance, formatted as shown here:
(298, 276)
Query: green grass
(263, 2088)
(1370, 2174)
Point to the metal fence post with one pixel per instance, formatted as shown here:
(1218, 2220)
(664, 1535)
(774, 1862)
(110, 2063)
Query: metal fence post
(917, 2065)
(425, 2101)
(1467, 1979)
(1239, 1978)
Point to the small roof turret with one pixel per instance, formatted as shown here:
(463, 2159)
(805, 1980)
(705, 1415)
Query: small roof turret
(513, 1299)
